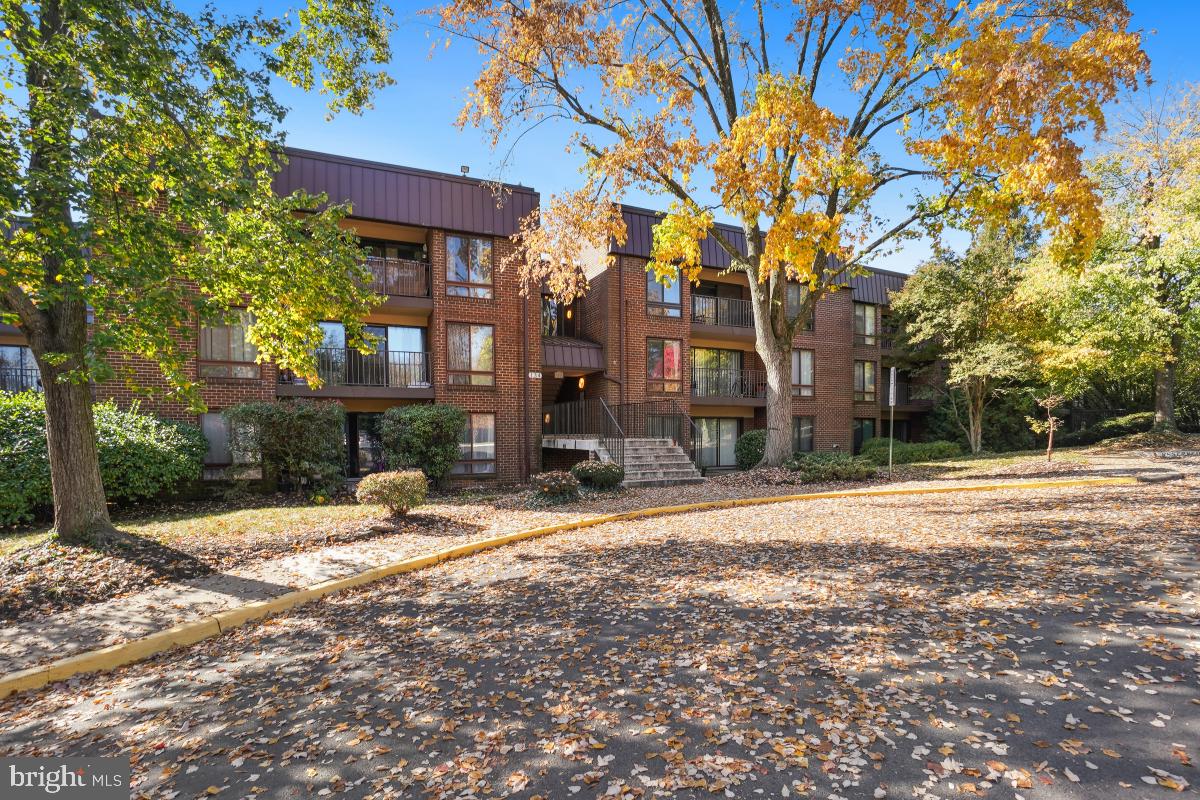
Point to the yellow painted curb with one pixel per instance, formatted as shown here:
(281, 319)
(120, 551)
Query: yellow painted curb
(117, 655)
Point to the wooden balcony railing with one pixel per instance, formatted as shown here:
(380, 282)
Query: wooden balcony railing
(722, 382)
(399, 276)
(340, 367)
(20, 379)
(726, 311)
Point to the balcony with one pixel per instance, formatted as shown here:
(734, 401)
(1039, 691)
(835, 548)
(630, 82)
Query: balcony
(399, 277)
(348, 373)
(904, 397)
(722, 385)
(723, 312)
(20, 379)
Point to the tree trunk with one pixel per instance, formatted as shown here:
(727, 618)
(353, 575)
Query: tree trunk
(80, 510)
(975, 402)
(1051, 424)
(778, 365)
(1164, 388)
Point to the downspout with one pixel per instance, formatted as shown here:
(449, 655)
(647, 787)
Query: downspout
(525, 443)
(621, 326)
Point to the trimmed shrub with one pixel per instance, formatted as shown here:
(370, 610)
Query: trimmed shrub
(556, 487)
(140, 456)
(599, 474)
(423, 437)
(1107, 429)
(909, 452)
(749, 448)
(826, 467)
(300, 442)
(400, 491)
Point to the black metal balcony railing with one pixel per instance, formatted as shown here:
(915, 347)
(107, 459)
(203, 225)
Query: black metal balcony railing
(340, 367)
(723, 382)
(399, 276)
(726, 311)
(904, 395)
(20, 379)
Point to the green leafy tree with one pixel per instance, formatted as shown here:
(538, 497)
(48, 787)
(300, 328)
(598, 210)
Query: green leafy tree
(137, 147)
(1133, 307)
(960, 307)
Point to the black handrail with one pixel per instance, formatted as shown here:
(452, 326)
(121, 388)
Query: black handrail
(399, 276)
(20, 379)
(338, 366)
(591, 417)
(724, 311)
(725, 382)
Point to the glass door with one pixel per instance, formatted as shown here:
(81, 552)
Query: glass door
(408, 366)
(718, 435)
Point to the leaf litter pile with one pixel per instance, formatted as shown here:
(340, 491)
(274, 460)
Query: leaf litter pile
(1034, 644)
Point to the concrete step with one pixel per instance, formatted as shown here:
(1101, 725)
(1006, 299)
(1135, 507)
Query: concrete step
(661, 473)
(644, 484)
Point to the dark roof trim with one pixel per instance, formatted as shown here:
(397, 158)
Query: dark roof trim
(407, 196)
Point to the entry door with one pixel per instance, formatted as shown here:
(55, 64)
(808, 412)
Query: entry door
(364, 445)
(718, 436)
(407, 362)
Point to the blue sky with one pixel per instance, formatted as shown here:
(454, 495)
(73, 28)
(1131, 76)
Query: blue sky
(413, 121)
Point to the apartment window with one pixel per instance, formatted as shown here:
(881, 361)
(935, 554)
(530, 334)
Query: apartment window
(662, 299)
(863, 429)
(802, 434)
(468, 267)
(18, 369)
(477, 447)
(794, 296)
(471, 354)
(559, 319)
(221, 451)
(803, 380)
(226, 352)
(664, 368)
(718, 435)
(864, 323)
(864, 381)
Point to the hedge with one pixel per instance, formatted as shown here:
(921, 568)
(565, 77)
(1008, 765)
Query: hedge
(599, 474)
(300, 442)
(825, 467)
(401, 491)
(909, 452)
(423, 437)
(555, 487)
(140, 456)
(1107, 429)
(749, 448)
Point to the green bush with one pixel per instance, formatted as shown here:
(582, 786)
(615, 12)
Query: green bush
(909, 452)
(423, 437)
(400, 491)
(140, 456)
(1108, 429)
(749, 448)
(556, 487)
(599, 474)
(1004, 425)
(826, 467)
(300, 442)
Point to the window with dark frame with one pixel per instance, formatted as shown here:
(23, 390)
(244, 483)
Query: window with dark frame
(802, 434)
(477, 447)
(803, 373)
(471, 359)
(864, 429)
(794, 297)
(664, 368)
(18, 369)
(226, 352)
(864, 381)
(864, 324)
(468, 267)
(663, 299)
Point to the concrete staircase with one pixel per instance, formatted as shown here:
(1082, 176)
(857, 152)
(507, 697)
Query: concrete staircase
(654, 462)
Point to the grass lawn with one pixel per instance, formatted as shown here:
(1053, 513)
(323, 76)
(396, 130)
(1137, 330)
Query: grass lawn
(175, 526)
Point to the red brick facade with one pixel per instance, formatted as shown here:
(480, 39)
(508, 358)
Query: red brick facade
(614, 316)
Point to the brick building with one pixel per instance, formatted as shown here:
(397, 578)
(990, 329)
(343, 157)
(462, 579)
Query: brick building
(671, 362)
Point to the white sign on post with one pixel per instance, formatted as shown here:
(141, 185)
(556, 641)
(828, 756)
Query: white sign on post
(892, 389)
(892, 412)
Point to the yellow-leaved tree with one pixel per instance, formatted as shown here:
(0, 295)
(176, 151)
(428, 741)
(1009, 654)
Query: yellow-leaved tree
(797, 120)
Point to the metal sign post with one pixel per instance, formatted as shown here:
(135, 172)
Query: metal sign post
(892, 424)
